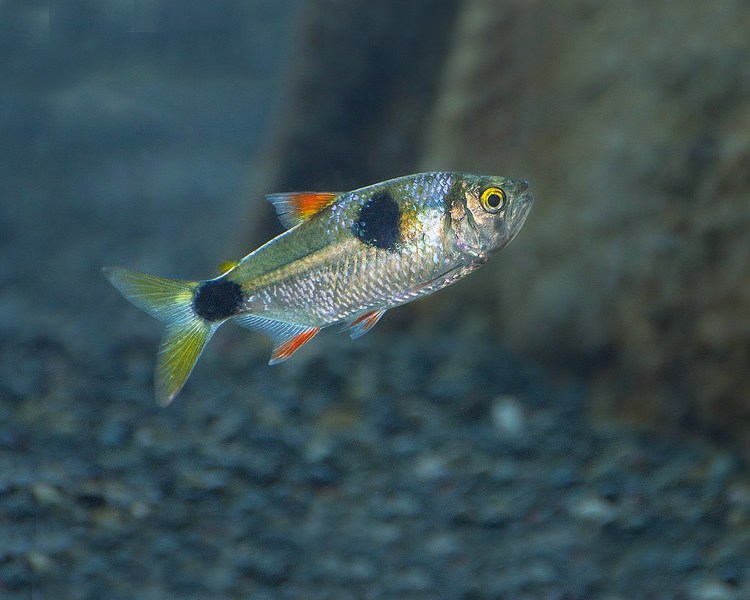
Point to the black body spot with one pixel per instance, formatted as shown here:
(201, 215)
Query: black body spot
(217, 300)
(379, 222)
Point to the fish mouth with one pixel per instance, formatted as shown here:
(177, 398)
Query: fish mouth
(526, 198)
(524, 202)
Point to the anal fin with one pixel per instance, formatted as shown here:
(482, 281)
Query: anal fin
(287, 337)
(362, 324)
(286, 349)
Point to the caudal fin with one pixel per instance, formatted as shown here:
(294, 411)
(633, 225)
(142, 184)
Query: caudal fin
(170, 301)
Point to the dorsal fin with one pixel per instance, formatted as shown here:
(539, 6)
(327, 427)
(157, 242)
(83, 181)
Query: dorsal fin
(295, 207)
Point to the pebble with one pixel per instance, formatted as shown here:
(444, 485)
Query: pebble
(593, 509)
(383, 533)
(264, 464)
(40, 562)
(348, 568)
(139, 510)
(322, 474)
(412, 580)
(430, 467)
(47, 494)
(450, 380)
(713, 590)
(204, 479)
(442, 544)
(398, 505)
(114, 434)
(12, 440)
(508, 416)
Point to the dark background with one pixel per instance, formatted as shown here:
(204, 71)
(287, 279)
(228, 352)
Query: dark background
(569, 422)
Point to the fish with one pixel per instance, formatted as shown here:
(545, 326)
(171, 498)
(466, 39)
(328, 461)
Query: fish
(345, 258)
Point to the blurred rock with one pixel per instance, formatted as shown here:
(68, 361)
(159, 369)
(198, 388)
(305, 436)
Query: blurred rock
(635, 134)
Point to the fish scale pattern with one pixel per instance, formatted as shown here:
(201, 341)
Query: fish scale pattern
(347, 277)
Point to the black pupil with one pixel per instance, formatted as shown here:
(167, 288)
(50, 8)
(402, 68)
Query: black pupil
(494, 200)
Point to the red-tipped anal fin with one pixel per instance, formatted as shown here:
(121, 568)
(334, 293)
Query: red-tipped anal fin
(290, 346)
(287, 337)
(362, 324)
(295, 207)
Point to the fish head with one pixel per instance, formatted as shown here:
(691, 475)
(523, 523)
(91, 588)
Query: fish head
(490, 212)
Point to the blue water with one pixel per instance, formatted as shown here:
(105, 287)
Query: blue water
(425, 460)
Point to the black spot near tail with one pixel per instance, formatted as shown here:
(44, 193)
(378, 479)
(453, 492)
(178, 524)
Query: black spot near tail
(217, 300)
(379, 222)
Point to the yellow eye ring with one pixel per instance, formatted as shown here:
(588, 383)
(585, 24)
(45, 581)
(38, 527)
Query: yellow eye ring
(493, 199)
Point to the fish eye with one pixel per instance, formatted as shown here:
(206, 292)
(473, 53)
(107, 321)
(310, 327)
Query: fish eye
(493, 199)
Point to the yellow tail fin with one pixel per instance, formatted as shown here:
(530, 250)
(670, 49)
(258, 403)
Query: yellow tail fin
(170, 301)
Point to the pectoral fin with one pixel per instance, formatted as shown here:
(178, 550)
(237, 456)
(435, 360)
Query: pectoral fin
(287, 338)
(362, 324)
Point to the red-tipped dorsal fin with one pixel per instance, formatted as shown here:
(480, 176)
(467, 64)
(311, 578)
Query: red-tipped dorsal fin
(295, 207)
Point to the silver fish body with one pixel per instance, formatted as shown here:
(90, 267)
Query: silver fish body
(346, 259)
(321, 272)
